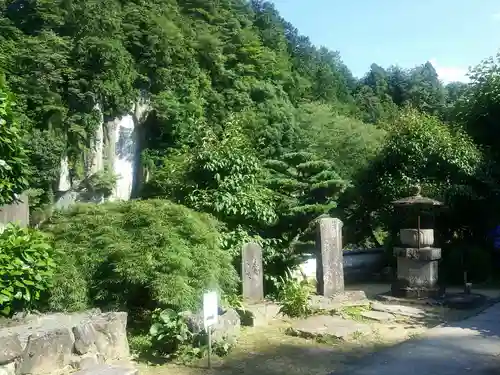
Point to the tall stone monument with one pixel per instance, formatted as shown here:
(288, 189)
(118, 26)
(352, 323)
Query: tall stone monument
(329, 261)
(252, 272)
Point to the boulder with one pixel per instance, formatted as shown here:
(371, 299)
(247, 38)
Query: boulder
(227, 328)
(47, 352)
(104, 334)
(10, 348)
(85, 336)
(259, 314)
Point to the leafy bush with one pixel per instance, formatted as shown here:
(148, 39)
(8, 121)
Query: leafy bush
(170, 332)
(26, 268)
(171, 336)
(137, 255)
(293, 296)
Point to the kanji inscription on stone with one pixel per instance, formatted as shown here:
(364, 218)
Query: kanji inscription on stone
(252, 272)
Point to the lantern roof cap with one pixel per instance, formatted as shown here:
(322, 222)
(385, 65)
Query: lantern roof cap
(417, 199)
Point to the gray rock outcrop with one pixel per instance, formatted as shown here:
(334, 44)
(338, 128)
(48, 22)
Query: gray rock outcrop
(51, 343)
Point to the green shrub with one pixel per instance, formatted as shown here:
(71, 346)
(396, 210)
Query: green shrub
(26, 268)
(171, 335)
(137, 255)
(293, 296)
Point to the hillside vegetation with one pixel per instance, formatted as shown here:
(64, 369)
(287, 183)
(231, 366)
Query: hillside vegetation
(247, 121)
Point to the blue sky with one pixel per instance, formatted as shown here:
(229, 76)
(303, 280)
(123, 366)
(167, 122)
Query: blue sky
(452, 34)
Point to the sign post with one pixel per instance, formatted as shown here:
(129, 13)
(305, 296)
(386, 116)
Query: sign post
(210, 317)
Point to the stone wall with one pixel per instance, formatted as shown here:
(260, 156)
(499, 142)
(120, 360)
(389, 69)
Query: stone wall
(56, 343)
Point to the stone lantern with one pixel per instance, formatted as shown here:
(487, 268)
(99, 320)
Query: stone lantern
(417, 256)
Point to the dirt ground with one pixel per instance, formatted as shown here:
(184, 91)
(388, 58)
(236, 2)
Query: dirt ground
(270, 351)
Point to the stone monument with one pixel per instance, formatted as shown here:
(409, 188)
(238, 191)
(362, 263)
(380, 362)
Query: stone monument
(417, 258)
(329, 262)
(252, 272)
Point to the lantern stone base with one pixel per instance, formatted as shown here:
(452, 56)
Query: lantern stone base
(400, 291)
(417, 278)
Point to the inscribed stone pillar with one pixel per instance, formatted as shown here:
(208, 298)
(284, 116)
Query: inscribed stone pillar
(329, 262)
(252, 273)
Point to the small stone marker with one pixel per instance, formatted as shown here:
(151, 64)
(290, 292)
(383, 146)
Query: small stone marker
(330, 262)
(252, 273)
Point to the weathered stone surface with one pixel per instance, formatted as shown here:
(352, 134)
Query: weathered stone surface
(10, 348)
(228, 326)
(411, 312)
(418, 273)
(89, 361)
(418, 254)
(110, 337)
(107, 370)
(329, 263)
(85, 336)
(379, 316)
(105, 334)
(53, 343)
(8, 369)
(348, 298)
(252, 272)
(327, 326)
(259, 314)
(47, 352)
(29, 324)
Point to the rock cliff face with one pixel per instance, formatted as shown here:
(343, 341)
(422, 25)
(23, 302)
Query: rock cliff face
(60, 342)
(116, 146)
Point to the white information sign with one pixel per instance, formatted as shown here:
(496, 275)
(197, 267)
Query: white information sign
(210, 309)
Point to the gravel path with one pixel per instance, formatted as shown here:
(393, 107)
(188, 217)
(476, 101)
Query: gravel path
(471, 346)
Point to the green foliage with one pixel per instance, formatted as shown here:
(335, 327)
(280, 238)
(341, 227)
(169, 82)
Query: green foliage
(221, 175)
(350, 144)
(138, 254)
(293, 296)
(420, 149)
(13, 160)
(27, 267)
(172, 337)
(100, 183)
(170, 332)
(45, 150)
(231, 85)
(307, 186)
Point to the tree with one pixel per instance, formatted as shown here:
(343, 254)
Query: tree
(307, 188)
(419, 150)
(348, 143)
(13, 159)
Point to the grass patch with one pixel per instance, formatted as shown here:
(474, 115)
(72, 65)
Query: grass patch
(354, 313)
(270, 351)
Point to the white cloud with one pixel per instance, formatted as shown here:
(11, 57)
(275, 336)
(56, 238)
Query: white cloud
(496, 16)
(449, 74)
